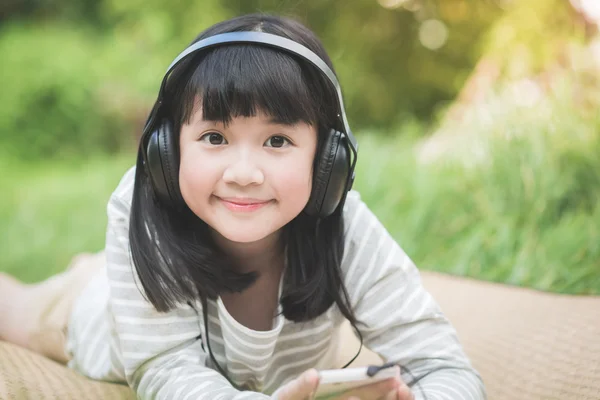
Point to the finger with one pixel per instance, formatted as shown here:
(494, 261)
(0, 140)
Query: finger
(301, 387)
(373, 391)
(404, 392)
(392, 395)
(401, 393)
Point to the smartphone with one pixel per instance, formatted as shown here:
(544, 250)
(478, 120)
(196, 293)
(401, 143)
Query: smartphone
(336, 381)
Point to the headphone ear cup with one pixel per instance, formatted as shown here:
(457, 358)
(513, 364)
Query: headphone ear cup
(330, 177)
(163, 165)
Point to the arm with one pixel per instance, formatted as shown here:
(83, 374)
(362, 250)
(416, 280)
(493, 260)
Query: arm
(160, 354)
(399, 320)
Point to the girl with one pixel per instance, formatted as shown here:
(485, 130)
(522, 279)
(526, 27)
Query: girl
(233, 254)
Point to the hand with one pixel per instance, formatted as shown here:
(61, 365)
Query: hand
(389, 389)
(303, 387)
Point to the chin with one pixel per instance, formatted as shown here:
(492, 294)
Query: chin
(243, 235)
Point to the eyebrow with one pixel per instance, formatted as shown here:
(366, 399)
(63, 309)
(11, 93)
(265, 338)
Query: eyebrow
(278, 121)
(271, 120)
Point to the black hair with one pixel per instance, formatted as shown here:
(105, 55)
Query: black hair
(173, 251)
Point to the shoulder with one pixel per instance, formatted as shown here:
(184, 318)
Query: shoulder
(124, 190)
(360, 224)
(370, 252)
(358, 218)
(119, 204)
(352, 204)
(120, 200)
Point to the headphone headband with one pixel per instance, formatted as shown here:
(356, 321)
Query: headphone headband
(269, 40)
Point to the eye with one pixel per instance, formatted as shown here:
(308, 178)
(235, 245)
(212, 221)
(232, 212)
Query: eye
(277, 142)
(214, 138)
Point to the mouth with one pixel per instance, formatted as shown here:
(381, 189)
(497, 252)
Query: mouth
(243, 204)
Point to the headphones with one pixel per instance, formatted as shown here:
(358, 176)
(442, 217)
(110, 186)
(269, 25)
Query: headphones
(334, 168)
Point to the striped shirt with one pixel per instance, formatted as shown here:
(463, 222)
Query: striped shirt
(115, 334)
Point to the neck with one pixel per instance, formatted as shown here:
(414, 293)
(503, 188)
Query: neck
(263, 256)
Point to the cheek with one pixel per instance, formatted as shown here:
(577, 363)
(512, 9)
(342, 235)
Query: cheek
(195, 176)
(294, 180)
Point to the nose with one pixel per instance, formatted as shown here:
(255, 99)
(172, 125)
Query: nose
(243, 171)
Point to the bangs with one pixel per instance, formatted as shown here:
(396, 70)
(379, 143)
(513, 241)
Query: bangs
(244, 80)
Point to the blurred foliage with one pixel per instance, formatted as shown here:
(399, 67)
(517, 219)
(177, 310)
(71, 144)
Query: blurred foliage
(51, 210)
(80, 76)
(53, 102)
(91, 69)
(514, 200)
(532, 35)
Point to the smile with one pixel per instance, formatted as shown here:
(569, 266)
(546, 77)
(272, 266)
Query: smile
(243, 205)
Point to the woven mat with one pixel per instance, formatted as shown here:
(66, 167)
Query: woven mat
(526, 344)
(26, 375)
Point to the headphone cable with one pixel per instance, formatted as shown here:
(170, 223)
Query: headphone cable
(371, 370)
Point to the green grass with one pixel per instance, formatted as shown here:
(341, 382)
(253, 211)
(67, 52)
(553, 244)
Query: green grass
(523, 209)
(526, 212)
(51, 211)
(509, 221)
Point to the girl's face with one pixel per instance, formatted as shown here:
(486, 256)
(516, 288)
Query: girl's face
(247, 179)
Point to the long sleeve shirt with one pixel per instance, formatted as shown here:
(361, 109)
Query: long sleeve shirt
(115, 334)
